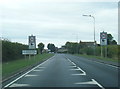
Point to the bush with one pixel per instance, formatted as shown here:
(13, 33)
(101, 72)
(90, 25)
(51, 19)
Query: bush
(112, 51)
(87, 51)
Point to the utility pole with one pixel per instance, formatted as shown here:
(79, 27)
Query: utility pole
(94, 30)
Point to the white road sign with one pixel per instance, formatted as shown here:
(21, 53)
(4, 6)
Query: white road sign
(32, 42)
(29, 52)
(103, 38)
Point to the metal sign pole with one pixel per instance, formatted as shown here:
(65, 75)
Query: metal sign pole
(25, 57)
(103, 42)
(34, 56)
(29, 56)
(101, 51)
(106, 51)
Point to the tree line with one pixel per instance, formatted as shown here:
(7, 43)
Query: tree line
(51, 47)
(82, 48)
(12, 50)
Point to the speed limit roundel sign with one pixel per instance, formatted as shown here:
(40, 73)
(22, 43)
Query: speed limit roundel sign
(32, 39)
(103, 35)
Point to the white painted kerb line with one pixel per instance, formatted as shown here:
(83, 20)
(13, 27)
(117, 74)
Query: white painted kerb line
(25, 74)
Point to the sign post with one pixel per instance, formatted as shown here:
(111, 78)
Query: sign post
(32, 42)
(32, 47)
(103, 42)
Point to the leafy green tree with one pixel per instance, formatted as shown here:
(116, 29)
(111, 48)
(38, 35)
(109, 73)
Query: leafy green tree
(114, 42)
(72, 47)
(51, 47)
(41, 47)
(48, 46)
(110, 40)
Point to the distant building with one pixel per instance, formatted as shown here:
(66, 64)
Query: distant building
(62, 50)
(88, 44)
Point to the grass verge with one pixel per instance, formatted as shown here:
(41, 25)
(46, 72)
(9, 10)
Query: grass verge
(98, 57)
(17, 65)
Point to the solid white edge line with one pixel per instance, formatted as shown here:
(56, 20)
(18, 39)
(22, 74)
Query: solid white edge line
(98, 84)
(106, 64)
(24, 74)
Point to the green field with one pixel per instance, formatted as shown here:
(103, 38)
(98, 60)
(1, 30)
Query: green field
(98, 57)
(12, 67)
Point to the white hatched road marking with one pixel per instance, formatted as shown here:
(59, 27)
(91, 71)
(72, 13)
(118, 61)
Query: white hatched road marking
(26, 73)
(19, 85)
(74, 69)
(84, 73)
(73, 66)
(73, 63)
(88, 82)
(78, 68)
(93, 82)
(98, 84)
(77, 74)
(12, 84)
(37, 70)
(81, 70)
(40, 67)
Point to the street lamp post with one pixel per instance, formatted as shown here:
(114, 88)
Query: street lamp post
(94, 29)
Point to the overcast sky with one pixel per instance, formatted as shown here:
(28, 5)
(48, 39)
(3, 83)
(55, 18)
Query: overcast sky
(57, 21)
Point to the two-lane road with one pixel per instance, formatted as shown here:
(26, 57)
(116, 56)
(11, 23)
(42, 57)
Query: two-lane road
(64, 70)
